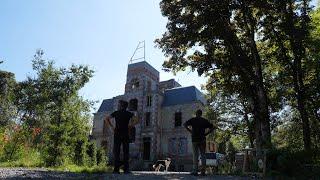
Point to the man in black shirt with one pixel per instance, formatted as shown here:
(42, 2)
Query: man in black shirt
(121, 134)
(198, 133)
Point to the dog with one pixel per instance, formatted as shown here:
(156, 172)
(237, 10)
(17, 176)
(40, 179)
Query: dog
(162, 163)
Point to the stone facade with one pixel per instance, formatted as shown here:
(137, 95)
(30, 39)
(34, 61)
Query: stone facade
(162, 108)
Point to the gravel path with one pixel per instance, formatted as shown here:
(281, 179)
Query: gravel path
(39, 173)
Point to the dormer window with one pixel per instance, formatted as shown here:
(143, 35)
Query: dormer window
(135, 84)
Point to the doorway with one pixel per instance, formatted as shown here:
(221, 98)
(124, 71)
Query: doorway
(146, 148)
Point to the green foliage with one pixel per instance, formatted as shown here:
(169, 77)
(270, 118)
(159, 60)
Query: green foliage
(80, 156)
(219, 39)
(83, 169)
(92, 154)
(299, 164)
(7, 96)
(27, 157)
(101, 156)
(51, 101)
(14, 143)
(230, 152)
(50, 115)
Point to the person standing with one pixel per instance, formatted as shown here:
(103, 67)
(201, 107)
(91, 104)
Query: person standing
(198, 125)
(121, 135)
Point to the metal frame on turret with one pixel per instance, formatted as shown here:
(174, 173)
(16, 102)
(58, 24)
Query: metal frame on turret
(141, 44)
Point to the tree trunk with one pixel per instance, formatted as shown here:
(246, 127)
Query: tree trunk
(250, 129)
(252, 77)
(298, 51)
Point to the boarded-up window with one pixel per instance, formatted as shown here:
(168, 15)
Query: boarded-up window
(149, 100)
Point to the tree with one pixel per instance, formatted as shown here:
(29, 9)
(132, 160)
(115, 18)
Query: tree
(50, 101)
(7, 96)
(219, 36)
(287, 30)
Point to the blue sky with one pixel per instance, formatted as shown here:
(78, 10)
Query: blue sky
(100, 33)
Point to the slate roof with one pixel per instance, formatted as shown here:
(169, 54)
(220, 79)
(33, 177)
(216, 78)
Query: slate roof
(106, 105)
(182, 95)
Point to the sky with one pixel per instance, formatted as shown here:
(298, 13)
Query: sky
(102, 34)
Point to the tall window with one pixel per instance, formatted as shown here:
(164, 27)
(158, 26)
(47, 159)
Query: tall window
(133, 105)
(149, 86)
(149, 100)
(148, 118)
(182, 145)
(177, 119)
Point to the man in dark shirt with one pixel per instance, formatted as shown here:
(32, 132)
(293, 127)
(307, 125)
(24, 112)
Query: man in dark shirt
(121, 134)
(198, 133)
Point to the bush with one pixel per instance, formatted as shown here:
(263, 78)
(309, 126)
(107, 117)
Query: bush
(80, 155)
(92, 154)
(294, 163)
(101, 157)
(28, 157)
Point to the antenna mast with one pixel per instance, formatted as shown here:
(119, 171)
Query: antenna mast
(140, 45)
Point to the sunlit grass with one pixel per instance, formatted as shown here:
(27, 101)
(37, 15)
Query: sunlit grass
(30, 158)
(82, 169)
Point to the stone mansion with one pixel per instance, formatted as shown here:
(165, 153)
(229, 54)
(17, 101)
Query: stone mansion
(162, 108)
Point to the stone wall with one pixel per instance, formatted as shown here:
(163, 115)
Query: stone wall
(183, 159)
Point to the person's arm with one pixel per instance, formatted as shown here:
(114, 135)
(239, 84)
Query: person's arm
(211, 128)
(108, 120)
(186, 125)
(134, 121)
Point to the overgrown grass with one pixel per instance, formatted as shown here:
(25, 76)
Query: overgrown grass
(30, 158)
(83, 169)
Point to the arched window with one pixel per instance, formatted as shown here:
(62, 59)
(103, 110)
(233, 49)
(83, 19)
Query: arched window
(135, 83)
(133, 105)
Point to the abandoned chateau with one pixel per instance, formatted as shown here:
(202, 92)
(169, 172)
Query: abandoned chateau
(162, 107)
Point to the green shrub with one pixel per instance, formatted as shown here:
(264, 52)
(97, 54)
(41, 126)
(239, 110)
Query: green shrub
(101, 157)
(293, 163)
(80, 155)
(28, 157)
(92, 154)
